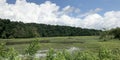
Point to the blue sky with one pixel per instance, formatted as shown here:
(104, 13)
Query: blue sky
(95, 14)
(84, 5)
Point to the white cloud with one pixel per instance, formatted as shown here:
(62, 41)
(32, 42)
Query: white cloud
(50, 13)
(2, 1)
(68, 9)
(112, 19)
(93, 21)
(91, 12)
(77, 10)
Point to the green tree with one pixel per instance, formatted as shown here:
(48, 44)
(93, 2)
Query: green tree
(116, 33)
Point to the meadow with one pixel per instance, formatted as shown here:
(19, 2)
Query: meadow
(83, 43)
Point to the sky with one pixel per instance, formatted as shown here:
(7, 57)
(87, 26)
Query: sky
(92, 14)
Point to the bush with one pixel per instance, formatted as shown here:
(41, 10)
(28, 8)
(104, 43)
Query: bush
(7, 53)
(116, 33)
(105, 54)
(32, 49)
(50, 55)
(109, 34)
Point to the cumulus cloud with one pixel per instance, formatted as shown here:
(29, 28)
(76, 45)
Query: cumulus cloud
(69, 9)
(50, 13)
(91, 12)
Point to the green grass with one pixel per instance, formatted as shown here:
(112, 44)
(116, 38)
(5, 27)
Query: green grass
(84, 42)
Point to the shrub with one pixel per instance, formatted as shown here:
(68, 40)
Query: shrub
(32, 49)
(7, 53)
(50, 54)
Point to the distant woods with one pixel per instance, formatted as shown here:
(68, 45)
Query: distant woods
(9, 29)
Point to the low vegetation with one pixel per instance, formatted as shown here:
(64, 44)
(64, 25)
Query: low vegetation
(101, 54)
(91, 49)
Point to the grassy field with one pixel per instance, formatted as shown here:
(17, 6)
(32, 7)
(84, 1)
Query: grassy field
(84, 42)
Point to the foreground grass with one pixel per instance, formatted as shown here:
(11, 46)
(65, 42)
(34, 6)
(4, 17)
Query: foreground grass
(102, 54)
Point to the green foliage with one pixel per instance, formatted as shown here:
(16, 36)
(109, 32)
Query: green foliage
(50, 55)
(116, 54)
(8, 53)
(105, 54)
(116, 33)
(67, 55)
(105, 35)
(59, 55)
(102, 54)
(3, 50)
(12, 54)
(110, 34)
(10, 29)
(84, 56)
(33, 48)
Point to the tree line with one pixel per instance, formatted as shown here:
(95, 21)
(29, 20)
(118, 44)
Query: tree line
(110, 34)
(10, 29)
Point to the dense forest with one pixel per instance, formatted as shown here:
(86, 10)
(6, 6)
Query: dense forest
(10, 29)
